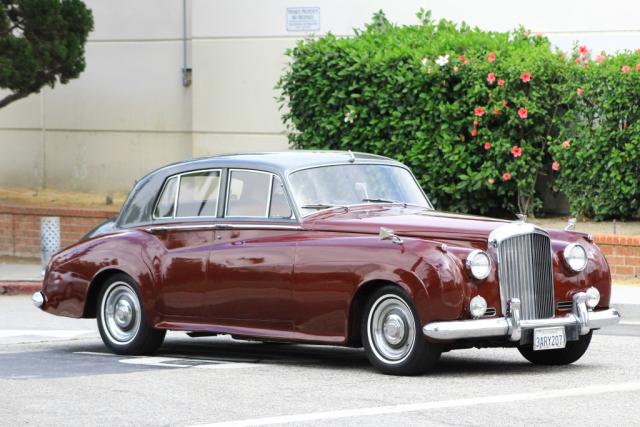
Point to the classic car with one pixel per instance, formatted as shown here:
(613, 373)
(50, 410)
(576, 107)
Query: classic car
(325, 247)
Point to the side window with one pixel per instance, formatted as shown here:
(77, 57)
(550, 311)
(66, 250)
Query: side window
(164, 208)
(248, 194)
(279, 204)
(198, 194)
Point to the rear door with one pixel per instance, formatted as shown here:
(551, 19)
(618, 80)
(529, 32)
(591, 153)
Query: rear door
(186, 212)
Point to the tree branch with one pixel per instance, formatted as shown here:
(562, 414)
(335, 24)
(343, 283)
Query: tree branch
(12, 97)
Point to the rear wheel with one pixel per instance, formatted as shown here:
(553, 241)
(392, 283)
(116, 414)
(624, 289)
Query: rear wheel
(572, 352)
(121, 320)
(392, 336)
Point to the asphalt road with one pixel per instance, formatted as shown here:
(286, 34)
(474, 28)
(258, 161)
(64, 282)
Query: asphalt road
(55, 371)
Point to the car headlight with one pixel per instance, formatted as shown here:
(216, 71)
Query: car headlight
(479, 264)
(575, 256)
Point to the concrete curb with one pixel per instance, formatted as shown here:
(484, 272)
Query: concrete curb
(19, 287)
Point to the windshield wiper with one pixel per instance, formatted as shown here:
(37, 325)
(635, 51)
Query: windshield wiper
(381, 201)
(318, 206)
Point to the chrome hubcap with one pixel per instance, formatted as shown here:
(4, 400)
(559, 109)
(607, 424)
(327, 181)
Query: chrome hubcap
(392, 330)
(121, 312)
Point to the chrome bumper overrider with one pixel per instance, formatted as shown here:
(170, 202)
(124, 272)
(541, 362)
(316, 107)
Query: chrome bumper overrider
(38, 299)
(511, 326)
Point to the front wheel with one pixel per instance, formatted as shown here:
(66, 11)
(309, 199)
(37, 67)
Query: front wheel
(564, 356)
(121, 320)
(392, 336)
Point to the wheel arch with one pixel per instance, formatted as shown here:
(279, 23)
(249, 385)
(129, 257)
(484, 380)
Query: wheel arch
(356, 307)
(98, 281)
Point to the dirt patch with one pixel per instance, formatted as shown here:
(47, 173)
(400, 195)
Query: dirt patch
(18, 260)
(57, 198)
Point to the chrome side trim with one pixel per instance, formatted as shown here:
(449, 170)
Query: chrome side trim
(196, 227)
(511, 327)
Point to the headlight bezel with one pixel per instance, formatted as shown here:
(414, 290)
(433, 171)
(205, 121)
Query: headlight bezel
(469, 263)
(567, 255)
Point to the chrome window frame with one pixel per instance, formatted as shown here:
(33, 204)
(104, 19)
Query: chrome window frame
(272, 175)
(177, 196)
(358, 163)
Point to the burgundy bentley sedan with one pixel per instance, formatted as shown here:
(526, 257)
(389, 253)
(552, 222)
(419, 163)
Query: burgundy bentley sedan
(333, 248)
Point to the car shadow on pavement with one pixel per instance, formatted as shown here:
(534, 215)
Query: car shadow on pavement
(225, 350)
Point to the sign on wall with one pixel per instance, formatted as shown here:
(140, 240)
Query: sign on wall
(303, 19)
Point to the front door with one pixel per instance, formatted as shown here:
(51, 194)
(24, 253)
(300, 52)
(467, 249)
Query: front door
(251, 262)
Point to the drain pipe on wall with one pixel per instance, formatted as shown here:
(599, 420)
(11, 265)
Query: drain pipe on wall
(186, 70)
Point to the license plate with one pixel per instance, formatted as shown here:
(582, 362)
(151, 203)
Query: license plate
(549, 338)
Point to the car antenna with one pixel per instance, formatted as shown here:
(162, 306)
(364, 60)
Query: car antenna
(353, 158)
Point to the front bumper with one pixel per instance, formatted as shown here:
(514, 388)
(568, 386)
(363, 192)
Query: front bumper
(511, 326)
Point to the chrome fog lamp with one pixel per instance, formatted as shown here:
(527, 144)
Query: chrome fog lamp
(477, 306)
(575, 256)
(593, 297)
(479, 264)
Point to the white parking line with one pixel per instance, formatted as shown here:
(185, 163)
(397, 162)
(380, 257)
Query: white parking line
(629, 323)
(396, 409)
(10, 333)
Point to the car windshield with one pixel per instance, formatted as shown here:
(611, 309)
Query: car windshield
(342, 185)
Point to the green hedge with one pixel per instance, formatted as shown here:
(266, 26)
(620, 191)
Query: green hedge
(477, 115)
(600, 160)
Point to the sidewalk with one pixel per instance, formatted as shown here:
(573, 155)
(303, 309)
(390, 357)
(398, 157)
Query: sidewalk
(19, 276)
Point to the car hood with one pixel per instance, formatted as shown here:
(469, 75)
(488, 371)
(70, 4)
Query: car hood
(405, 221)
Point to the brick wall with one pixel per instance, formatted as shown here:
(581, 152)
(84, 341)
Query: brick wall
(622, 253)
(20, 227)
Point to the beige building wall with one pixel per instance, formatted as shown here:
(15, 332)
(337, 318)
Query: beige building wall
(129, 113)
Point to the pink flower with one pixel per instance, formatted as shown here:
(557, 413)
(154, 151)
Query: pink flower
(463, 59)
(490, 181)
(506, 176)
(505, 103)
(475, 123)
(455, 68)
(491, 57)
(523, 113)
(516, 151)
(555, 166)
(479, 111)
(600, 58)
(625, 69)
(487, 146)
(585, 64)
(580, 91)
(525, 77)
(491, 77)
(637, 67)
(500, 82)
(566, 144)
(496, 111)
(583, 51)
(474, 132)
(579, 60)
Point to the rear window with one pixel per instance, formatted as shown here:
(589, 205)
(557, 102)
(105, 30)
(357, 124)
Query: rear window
(164, 208)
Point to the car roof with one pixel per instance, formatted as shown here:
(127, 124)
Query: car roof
(139, 205)
(277, 161)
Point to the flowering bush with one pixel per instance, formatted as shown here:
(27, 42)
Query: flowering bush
(471, 112)
(597, 158)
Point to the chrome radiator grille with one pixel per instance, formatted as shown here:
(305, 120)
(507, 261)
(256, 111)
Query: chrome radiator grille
(525, 272)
